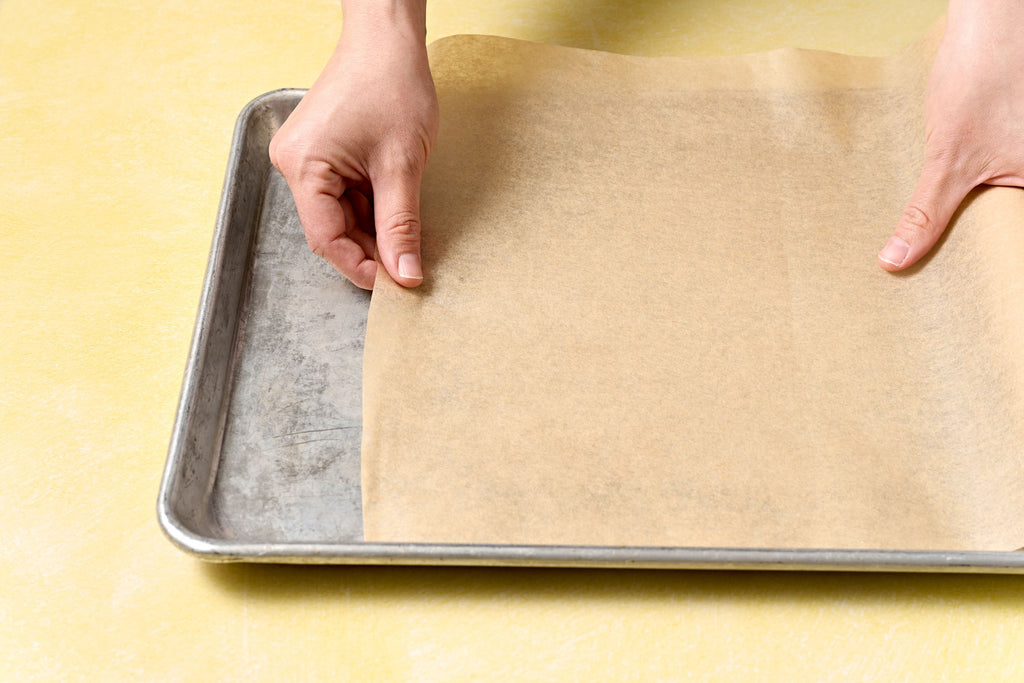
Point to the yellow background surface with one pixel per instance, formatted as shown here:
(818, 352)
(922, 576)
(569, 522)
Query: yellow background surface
(115, 125)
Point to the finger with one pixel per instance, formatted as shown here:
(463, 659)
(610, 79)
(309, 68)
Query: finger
(938, 193)
(327, 221)
(364, 211)
(396, 208)
(359, 221)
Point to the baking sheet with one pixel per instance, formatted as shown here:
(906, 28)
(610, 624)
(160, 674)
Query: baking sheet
(232, 491)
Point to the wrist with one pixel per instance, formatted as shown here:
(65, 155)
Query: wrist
(1003, 14)
(403, 20)
(990, 28)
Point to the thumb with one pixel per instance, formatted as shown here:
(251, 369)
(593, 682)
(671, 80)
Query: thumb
(926, 216)
(396, 209)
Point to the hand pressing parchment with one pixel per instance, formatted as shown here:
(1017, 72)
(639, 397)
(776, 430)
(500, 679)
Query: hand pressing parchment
(354, 149)
(974, 122)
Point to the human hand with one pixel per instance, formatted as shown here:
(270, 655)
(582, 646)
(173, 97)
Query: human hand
(974, 122)
(354, 149)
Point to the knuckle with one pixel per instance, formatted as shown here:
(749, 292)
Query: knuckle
(404, 158)
(317, 244)
(916, 221)
(296, 158)
(404, 224)
(281, 152)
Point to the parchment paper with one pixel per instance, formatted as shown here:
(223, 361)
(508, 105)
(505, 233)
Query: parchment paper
(652, 314)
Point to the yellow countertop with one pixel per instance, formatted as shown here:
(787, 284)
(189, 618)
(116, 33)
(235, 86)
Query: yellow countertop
(115, 125)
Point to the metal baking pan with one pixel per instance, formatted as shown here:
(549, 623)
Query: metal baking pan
(264, 459)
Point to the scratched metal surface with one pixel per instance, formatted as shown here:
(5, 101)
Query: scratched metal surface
(289, 462)
(263, 464)
(266, 445)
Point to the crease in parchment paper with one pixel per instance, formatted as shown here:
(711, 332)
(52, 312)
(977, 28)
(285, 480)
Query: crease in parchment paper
(653, 317)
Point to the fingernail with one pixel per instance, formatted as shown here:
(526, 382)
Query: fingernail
(895, 252)
(409, 267)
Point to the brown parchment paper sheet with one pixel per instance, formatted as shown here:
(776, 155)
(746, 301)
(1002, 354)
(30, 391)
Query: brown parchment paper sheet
(652, 314)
